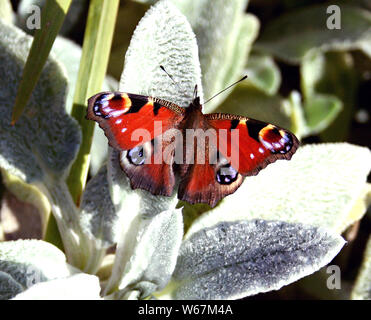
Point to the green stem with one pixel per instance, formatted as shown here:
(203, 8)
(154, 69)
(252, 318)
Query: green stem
(52, 18)
(93, 66)
(67, 218)
(52, 234)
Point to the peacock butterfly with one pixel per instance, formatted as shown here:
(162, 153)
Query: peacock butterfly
(211, 153)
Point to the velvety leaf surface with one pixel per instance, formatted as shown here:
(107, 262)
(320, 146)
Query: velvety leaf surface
(98, 215)
(45, 139)
(236, 259)
(6, 11)
(27, 262)
(146, 258)
(8, 286)
(163, 37)
(80, 286)
(224, 37)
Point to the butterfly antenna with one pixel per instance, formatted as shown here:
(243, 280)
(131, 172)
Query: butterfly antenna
(171, 77)
(233, 84)
(195, 92)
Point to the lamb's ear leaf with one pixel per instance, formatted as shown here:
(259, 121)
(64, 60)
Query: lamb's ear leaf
(362, 288)
(44, 141)
(237, 259)
(224, 34)
(26, 262)
(296, 192)
(40, 147)
(291, 36)
(80, 286)
(99, 220)
(263, 73)
(163, 37)
(6, 11)
(97, 211)
(68, 55)
(147, 254)
(8, 286)
(321, 110)
(329, 103)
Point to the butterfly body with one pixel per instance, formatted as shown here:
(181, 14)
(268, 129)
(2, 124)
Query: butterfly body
(210, 153)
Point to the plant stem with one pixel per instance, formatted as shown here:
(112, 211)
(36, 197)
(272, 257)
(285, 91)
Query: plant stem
(52, 18)
(93, 66)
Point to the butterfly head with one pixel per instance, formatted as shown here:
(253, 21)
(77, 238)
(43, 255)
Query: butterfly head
(195, 104)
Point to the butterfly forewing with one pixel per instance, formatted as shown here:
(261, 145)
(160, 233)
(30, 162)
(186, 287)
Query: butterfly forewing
(129, 120)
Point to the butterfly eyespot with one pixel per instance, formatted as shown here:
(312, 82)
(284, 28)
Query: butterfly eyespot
(136, 156)
(226, 175)
(275, 140)
(100, 103)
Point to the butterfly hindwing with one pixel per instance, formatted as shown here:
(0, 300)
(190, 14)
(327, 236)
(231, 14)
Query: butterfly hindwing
(209, 182)
(149, 166)
(206, 175)
(129, 120)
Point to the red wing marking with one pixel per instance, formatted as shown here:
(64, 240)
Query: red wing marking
(129, 120)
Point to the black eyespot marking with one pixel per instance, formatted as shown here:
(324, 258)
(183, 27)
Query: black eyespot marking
(275, 131)
(156, 107)
(226, 175)
(117, 96)
(136, 107)
(102, 101)
(253, 130)
(234, 123)
(136, 156)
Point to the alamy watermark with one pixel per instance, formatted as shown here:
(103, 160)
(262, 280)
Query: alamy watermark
(199, 144)
(334, 20)
(33, 21)
(334, 280)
